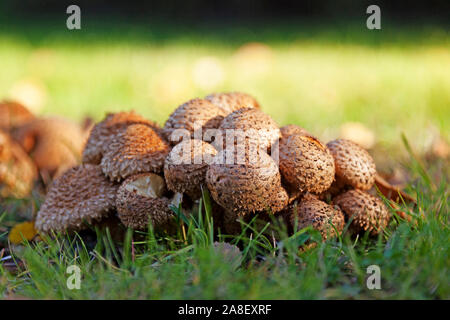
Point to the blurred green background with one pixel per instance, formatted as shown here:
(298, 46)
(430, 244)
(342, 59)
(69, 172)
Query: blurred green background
(318, 73)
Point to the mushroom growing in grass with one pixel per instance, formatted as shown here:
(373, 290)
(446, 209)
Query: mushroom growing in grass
(55, 144)
(194, 116)
(366, 212)
(17, 170)
(248, 127)
(103, 132)
(81, 194)
(354, 165)
(186, 165)
(327, 219)
(142, 200)
(246, 185)
(136, 149)
(305, 163)
(232, 101)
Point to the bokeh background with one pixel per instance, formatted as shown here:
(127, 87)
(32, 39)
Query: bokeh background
(312, 63)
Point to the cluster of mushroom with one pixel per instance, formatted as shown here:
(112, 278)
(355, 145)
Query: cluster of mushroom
(135, 169)
(33, 147)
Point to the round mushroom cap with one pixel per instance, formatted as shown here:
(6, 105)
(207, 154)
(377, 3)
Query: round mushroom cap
(136, 149)
(81, 194)
(13, 115)
(104, 131)
(249, 126)
(17, 170)
(318, 214)
(194, 116)
(55, 144)
(241, 185)
(368, 213)
(354, 165)
(292, 129)
(305, 163)
(141, 200)
(232, 101)
(186, 165)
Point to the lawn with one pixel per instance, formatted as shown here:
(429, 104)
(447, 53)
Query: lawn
(395, 81)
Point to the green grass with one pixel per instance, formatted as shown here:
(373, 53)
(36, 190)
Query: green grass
(413, 258)
(393, 81)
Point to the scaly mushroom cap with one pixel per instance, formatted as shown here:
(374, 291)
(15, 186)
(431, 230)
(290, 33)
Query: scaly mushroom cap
(136, 149)
(140, 201)
(292, 129)
(186, 165)
(244, 185)
(103, 132)
(193, 116)
(318, 214)
(17, 170)
(368, 212)
(55, 144)
(81, 194)
(13, 115)
(232, 101)
(251, 126)
(305, 163)
(354, 165)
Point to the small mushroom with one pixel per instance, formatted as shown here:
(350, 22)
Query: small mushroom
(305, 163)
(194, 116)
(136, 149)
(318, 214)
(104, 131)
(81, 194)
(368, 213)
(354, 165)
(249, 127)
(186, 165)
(13, 115)
(17, 170)
(232, 101)
(246, 186)
(141, 200)
(55, 144)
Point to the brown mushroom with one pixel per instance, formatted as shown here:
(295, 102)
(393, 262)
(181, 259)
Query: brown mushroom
(192, 118)
(328, 220)
(241, 185)
(141, 200)
(305, 163)
(136, 149)
(17, 170)
(354, 165)
(105, 131)
(81, 194)
(186, 165)
(55, 144)
(368, 213)
(246, 128)
(13, 115)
